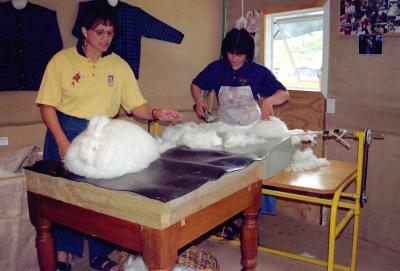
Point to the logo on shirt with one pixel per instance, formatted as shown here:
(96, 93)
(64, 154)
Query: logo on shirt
(110, 80)
(243, 82)
(76, 78)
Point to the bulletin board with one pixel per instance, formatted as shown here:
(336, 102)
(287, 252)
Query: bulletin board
(369, 17)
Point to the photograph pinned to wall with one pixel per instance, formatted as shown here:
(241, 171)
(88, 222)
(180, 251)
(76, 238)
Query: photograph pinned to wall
(366, 17)
(370, 44)
(347, 19)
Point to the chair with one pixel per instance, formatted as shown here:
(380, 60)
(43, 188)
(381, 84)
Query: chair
(331, 182)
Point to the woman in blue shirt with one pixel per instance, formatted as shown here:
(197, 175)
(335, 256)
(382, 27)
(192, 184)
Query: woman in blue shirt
(247, 91)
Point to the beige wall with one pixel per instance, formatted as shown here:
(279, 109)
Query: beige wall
(367, 93)
(166, 69)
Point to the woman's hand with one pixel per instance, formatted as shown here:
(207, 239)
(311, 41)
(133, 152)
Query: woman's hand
(267, 103)
(147, 112)
(200, 107)
(49, 117)
(62, 148)
(267, 109)
(165, 114)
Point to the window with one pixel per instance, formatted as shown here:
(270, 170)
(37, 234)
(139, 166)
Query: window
(294, 48)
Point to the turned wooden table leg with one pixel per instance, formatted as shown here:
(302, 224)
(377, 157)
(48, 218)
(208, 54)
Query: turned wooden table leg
(45, 246)
(249, 236)
(159, 251)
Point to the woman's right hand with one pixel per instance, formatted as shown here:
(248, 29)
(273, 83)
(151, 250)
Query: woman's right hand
(50, 118)
(63, 147)
(200, 106)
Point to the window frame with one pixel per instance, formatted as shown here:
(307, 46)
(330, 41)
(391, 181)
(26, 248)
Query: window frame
(295, 8)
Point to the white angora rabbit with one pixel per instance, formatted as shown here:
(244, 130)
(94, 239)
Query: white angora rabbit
(110, 148)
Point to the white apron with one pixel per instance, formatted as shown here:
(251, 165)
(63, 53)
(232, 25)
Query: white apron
(237, 106)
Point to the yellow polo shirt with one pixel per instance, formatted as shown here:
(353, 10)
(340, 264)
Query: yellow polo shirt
(76, 86)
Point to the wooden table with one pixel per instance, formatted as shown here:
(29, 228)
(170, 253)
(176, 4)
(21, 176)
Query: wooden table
(158, 238)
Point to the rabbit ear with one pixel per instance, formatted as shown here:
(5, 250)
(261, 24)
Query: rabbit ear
(96, 126)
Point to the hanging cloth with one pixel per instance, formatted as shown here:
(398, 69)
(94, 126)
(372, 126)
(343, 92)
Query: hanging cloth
(133, 24)
(28, 39)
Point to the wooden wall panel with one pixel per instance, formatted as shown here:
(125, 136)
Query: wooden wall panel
(304, 110)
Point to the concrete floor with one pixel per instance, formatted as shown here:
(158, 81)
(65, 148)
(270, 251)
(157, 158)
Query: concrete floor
(284, 233)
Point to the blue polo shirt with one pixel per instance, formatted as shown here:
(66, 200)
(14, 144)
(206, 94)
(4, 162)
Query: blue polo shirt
(220, 73)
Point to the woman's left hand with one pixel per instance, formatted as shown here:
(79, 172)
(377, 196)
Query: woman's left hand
(165, 114)
(267, 109)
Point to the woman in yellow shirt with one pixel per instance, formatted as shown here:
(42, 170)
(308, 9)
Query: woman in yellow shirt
(80, 83)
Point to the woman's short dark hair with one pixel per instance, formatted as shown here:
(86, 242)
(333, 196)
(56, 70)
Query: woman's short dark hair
(100, 13)
(238, 42)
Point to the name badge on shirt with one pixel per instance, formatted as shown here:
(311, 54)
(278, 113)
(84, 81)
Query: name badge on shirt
(110, 80)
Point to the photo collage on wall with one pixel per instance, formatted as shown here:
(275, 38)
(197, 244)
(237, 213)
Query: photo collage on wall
(369, 18)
